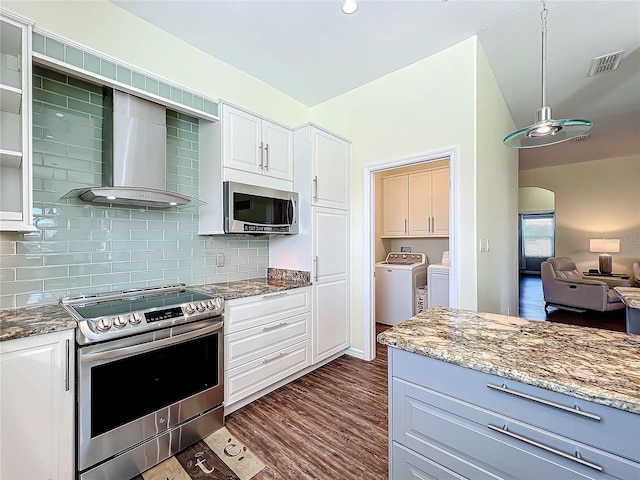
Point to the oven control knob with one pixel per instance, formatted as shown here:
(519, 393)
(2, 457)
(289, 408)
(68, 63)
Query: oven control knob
(201, 307)
(135, 318)
(190, 308)
(210, 305)
(103, 324)
(120, 321)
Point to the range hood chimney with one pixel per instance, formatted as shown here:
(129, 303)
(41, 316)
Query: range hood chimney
(134, 157)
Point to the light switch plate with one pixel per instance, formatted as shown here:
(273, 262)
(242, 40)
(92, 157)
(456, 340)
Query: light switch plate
(220, 259)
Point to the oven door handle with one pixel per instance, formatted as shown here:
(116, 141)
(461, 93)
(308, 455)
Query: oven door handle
(153, 345)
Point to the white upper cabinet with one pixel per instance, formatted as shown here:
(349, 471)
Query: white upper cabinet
(254, 145)
(15, 124)
(416, 204)
(330, 169)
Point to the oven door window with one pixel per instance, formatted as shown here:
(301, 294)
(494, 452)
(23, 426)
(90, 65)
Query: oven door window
(261, 210)
(127, 389)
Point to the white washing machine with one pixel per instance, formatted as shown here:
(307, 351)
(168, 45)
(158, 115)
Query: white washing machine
(396, 280)
(438, 283)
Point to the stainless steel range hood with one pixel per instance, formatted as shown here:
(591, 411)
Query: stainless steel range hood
(134, 157)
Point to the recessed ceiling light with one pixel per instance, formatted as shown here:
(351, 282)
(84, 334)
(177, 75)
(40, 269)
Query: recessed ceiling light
(110, 197)
(58, 114)
(349, 6)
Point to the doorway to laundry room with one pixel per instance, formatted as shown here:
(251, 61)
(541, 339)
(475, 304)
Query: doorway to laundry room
(411, 230)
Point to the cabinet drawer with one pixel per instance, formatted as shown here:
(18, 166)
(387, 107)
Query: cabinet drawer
(616, 431)
(253, 376)
(258, 342)
(408, 465)
(438, 426)
(249, 312)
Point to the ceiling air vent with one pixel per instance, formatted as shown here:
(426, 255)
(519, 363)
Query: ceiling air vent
(605, 63)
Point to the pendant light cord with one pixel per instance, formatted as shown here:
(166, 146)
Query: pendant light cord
(543, 17)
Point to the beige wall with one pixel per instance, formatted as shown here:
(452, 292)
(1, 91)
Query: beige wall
(433, 105)
(110, 29)
(425, 107)
(594, 199)
(536, 200)
(497, 196)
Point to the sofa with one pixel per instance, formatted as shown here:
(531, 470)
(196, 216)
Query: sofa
(565, 287)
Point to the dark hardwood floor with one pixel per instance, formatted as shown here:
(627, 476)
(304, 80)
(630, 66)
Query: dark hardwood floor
(329, 424)
(532, 306)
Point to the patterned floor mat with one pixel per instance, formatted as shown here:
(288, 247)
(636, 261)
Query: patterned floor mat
(220, 456)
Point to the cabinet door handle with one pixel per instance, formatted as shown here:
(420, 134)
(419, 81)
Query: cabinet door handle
(267, 360)
(273, 327)
(575, 458)
(315, 260)
(315, 188)
(67, 365)
(266, 156)
(433, 224)
(261, 155)
(406, 224)
(503, 388)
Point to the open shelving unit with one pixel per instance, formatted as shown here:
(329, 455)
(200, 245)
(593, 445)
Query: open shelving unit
(15, 120)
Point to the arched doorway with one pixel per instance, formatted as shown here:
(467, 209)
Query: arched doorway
(536, 228)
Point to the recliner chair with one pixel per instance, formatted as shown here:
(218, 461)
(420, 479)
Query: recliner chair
(564, 286)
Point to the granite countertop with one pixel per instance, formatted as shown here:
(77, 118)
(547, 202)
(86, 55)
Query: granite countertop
(597, 365)
(36, 320)
(630, 296)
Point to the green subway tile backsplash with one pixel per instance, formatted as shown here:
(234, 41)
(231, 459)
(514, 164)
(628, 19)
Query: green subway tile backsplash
(83, 248)
(94, 64)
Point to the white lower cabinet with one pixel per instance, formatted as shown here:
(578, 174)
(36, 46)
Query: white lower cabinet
(37, 407)
(267, 339)
(448, 421)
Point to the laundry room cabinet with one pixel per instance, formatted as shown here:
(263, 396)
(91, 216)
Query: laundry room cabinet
(416, 204)
(15, 124)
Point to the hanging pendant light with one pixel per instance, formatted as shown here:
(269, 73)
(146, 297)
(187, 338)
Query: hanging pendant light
(546, 130)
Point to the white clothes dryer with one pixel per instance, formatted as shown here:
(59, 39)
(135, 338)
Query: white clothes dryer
(396, 279)
(438, 285)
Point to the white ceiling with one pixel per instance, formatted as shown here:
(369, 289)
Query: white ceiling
(311, 51)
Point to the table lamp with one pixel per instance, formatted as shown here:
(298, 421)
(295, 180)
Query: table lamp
(604, 246)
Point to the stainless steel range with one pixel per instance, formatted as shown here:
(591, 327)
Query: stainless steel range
(150, 376)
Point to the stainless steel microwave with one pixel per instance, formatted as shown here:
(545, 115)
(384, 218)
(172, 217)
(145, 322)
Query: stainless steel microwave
(254, 210)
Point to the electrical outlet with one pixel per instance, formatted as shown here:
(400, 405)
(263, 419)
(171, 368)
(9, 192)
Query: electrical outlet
(220, 260)
(483, 245)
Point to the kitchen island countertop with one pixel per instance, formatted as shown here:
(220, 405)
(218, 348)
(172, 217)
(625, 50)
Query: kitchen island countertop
(39, 319)
(593, 364)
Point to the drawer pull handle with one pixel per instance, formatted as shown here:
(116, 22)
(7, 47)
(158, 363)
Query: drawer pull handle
(273, 327)
(577, 458)
(267, 360)
(281, 294)
(559, 406)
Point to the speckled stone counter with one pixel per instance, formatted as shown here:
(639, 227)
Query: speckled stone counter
(255, 286)
(630, 296)
(36, 320)
(597, 365)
